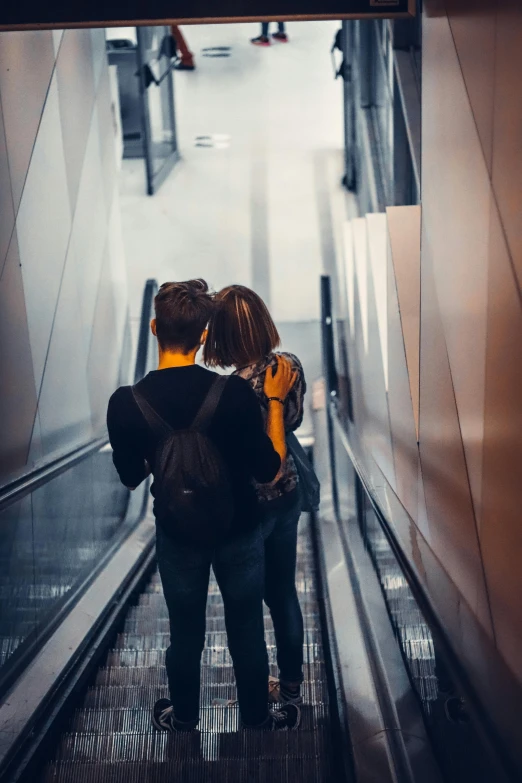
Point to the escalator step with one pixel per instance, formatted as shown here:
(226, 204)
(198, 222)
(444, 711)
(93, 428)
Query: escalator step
(111, 739)
(229, 743)
(279, 770)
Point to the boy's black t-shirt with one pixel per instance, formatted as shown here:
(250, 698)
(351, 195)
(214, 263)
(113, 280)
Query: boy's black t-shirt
(237, 430)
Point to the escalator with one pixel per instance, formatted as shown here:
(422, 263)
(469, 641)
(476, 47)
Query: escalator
(379, 706)
(111, 737)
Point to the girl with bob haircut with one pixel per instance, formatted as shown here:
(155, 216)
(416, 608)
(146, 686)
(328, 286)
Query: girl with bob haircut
(242, 334)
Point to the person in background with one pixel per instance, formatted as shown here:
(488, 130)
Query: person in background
(264, 40)
(242, 334)
(186, 58)
(175, 398)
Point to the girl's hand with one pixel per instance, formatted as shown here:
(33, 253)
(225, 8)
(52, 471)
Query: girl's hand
(279, 380)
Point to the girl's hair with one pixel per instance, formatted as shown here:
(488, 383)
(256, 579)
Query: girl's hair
(241, 330)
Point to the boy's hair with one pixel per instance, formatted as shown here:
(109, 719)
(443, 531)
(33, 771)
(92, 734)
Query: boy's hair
(183, 311)
(241, 330)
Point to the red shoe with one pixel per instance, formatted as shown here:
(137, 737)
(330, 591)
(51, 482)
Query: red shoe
(282, 37)
(261, 40)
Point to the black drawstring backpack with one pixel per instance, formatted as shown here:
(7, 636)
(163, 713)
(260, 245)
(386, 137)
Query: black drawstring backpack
(192, 493)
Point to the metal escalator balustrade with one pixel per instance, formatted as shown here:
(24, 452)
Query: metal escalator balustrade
(111, 737)
(466, 743)
(60, 525)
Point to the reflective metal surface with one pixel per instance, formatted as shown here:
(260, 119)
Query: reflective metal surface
(39, 682)
(50, 541)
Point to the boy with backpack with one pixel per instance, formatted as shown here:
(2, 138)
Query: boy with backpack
(202, 437)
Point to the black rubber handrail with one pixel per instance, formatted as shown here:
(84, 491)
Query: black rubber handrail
(145, 337)
(23, 486)
(28, 483)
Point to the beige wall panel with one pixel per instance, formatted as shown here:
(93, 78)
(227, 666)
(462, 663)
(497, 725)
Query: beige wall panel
(456, 202)
(452, 526)
(404, 229)
(507, 131)
(378, 435)
(501, 532)
(473, 25)
(404, 437)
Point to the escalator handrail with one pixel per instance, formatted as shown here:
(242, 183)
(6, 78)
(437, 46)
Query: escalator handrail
(145, 339)
(29, 482)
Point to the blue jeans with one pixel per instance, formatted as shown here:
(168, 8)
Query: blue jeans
(265, 25)
(185, 572)
(280, 532)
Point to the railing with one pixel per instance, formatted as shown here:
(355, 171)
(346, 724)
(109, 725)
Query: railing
(44, 572)
(487, 739)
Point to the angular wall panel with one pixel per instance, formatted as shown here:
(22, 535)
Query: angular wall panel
(64, 407)
(107, 133)
(89, 231)
(43, 226)
(378, 437)
(473, 25)
(501, 532)
(378, 256)
(17, 388)
(402, 423)
(118, 267)
(452, 524)
(74, 68)
(103, 359)
(26, 66)
(99, 54)
(404, 229)
(507, 150)
(455, 213)
(360, 249)
(6, 199)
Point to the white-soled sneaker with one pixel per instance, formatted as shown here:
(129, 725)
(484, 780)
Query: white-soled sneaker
(278, 694)
(164, 719)
(287, 718)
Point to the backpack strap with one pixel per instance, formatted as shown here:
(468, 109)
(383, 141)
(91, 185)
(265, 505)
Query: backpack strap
(208, 406)
(158, 425)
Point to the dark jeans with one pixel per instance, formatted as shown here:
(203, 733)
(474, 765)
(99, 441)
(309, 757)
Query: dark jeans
(185, 572)
(265, 25)
(280, 531)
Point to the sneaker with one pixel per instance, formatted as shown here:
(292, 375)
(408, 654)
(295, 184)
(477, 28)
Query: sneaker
(282, 37)
(164, 719)
(181, 66)
(278, 694)
(261, 40)
(287, 718)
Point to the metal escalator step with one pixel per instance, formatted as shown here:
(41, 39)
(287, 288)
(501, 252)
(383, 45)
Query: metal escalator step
(307, 742)
(111, 738)
(216, 652)
(314, 690)
(182, 771)
(160, 640)
(141, 618)
(143, 696)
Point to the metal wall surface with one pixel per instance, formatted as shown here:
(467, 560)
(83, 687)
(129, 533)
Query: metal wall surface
(63, 289)
(454, 358)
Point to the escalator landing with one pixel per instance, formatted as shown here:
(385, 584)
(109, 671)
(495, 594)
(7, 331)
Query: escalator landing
(111, 738)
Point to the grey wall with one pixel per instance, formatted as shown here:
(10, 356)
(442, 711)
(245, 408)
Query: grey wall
(63, 289)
